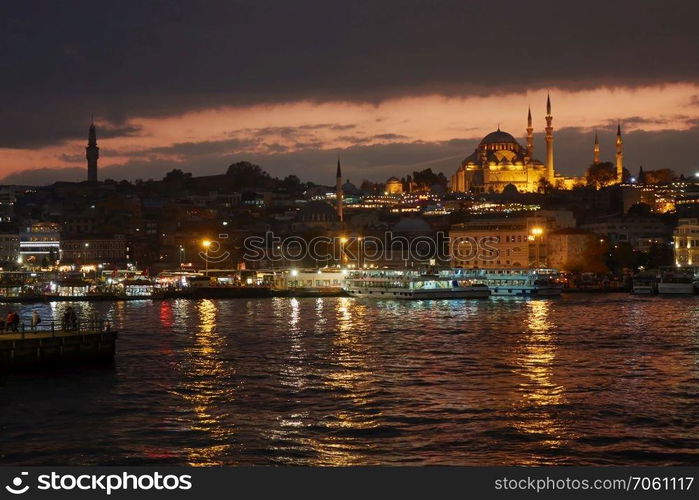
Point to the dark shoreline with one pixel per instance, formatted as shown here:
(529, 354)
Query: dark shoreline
(213, 293)
(252, 293)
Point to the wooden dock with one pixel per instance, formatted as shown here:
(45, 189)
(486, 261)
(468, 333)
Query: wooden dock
(51, 347)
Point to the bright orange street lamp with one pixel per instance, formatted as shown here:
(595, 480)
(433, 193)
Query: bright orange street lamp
(536, 232)
(206, 244)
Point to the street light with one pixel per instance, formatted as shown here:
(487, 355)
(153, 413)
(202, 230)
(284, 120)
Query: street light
(343, 240)
(536, 232)
(206, 244)
(359, 252)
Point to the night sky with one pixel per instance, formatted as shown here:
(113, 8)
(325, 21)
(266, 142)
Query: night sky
(391, 86)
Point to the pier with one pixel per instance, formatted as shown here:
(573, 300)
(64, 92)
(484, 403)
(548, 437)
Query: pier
(53, 346)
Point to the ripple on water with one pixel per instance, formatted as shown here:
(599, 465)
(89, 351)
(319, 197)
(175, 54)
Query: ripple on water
(597, 379)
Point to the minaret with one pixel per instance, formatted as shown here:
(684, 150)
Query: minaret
(619, 155)
(92, 153)
(595, 151)
(338, 190)
(530, 136)
(549, 141)
(641, 176)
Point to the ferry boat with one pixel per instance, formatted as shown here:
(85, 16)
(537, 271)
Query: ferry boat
(676, 282)
(410, 285)
(516, 282)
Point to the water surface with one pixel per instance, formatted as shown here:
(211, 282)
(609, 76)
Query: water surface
(581, 379)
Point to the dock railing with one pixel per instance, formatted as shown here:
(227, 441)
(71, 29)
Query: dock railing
(61, 327)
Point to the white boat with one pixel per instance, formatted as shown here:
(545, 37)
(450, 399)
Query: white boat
(644, 285)
(676, 282)
(516, 282)
(410, 285)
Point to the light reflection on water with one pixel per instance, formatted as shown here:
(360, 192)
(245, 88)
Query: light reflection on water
(586, 379)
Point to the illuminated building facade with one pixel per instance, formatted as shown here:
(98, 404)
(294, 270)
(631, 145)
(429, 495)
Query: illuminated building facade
(394, 186)
(686, 242)
(503, 242)
(500, 161)
(40, 240)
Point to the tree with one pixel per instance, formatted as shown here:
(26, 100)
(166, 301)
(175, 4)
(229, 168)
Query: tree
(371, 187)
(659, 255)
(246, 174)
(292, 185)
(622, 256)
(426, 178)
(660, 176)
(600, 175)
(510, 189)
(544, 186)
(176, 176)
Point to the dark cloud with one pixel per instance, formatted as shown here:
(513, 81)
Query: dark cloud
(60, 61)
(667, 148)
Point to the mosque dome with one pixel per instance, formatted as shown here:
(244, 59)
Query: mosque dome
(317, 211)
(498, 137)
(350, 189)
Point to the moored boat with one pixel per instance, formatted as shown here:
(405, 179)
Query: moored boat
(676, 282)
(517, 282)
(644, 284)
(410, 285)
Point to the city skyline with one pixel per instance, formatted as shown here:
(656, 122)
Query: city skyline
(390, 93)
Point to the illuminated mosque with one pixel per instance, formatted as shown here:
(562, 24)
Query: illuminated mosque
(499, 161)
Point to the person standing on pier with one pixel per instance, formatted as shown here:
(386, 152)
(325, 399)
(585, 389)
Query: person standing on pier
(70, 320)
(36, 319)
(12, 321)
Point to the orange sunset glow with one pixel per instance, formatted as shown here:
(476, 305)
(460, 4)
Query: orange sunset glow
(230, 133)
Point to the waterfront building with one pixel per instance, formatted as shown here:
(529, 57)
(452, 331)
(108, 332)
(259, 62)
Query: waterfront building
(84, 222)
(505, 242)
(686, 242)
(92, 251)
(40, 244)
(500, 161)
(320, 279)
(638, 231)
(7, 204)
(570, 249)
(9, 247)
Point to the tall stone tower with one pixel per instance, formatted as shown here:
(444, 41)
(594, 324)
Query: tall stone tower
(530, 136)
(595, 151)
(338, 190)
(619, 155)
(549, 142)
(92, 153)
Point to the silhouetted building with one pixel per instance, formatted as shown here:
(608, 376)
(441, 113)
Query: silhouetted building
(92, 153)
